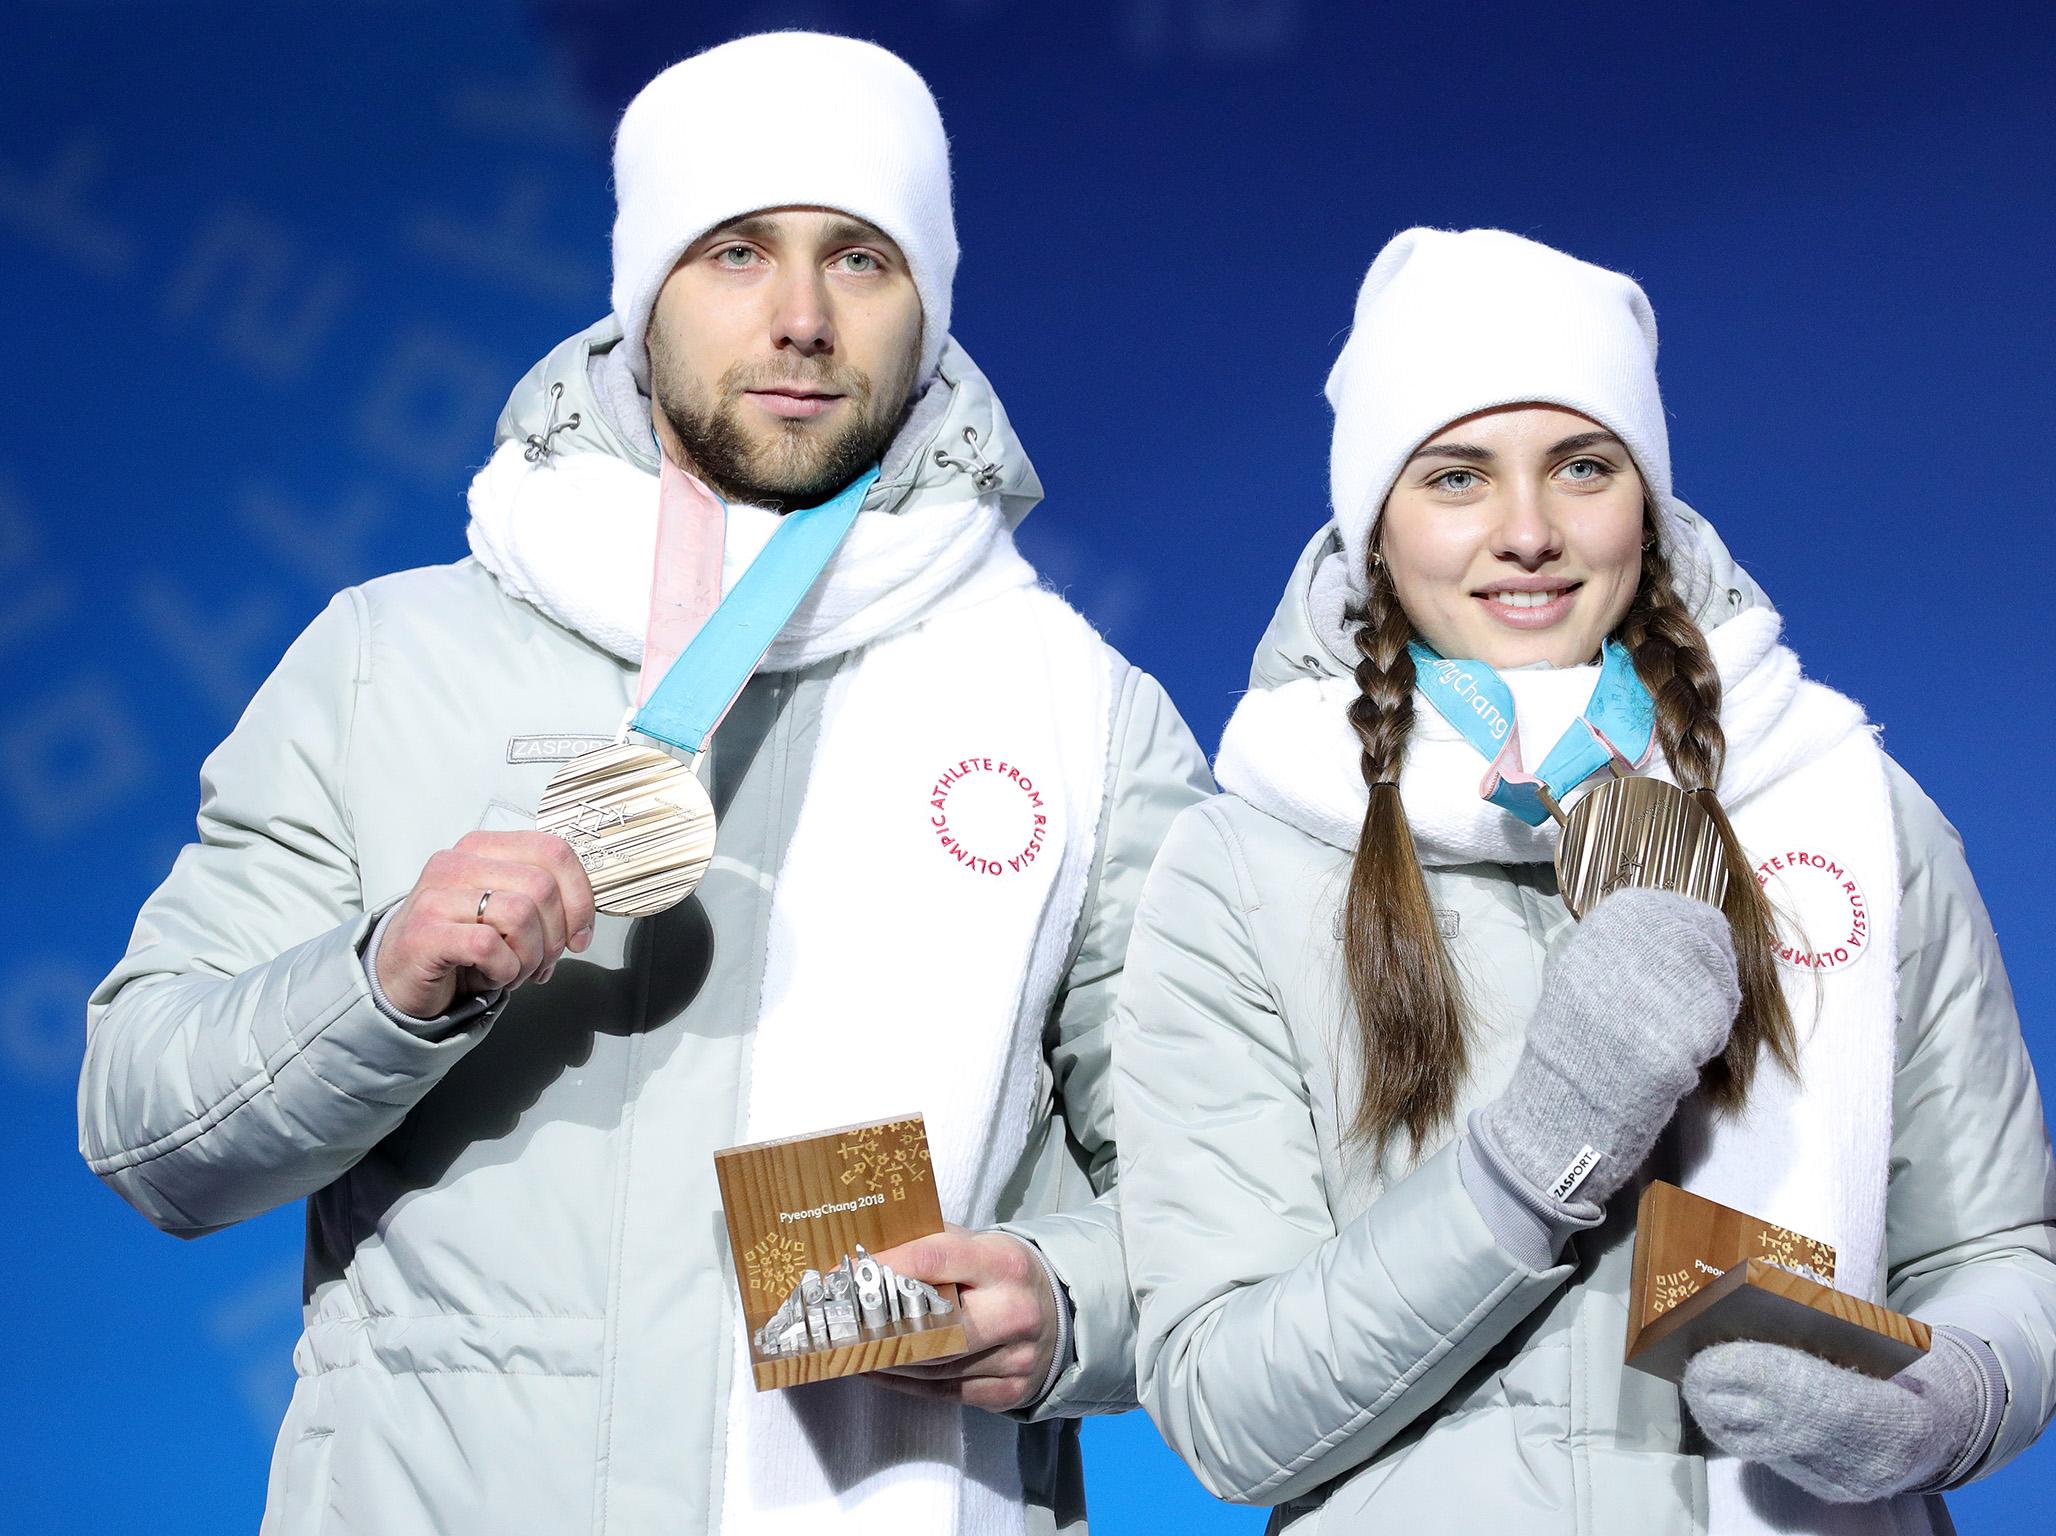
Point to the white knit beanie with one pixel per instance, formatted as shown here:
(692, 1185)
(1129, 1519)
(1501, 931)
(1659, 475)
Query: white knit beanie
(778, 120)
(1450, 323)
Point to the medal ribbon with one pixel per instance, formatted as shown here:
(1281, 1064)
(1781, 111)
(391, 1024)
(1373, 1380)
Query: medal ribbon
(1618, 726)
(698, 689)
(692, 529)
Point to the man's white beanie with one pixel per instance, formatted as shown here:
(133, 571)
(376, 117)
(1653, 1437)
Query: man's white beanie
(781, 119)
(1449, 323)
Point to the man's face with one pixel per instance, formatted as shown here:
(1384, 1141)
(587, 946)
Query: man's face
(782, 354)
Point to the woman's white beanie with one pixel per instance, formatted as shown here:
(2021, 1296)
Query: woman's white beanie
(781, 119)
(1449, 323)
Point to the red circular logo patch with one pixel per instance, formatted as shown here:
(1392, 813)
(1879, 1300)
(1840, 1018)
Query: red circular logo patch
(988, 815)
(1823, 920)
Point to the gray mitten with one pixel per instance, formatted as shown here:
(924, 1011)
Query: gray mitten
(1634, 1004)
(1841, 1435)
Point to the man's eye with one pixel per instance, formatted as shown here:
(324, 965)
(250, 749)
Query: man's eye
(860, 261)
(736, 256)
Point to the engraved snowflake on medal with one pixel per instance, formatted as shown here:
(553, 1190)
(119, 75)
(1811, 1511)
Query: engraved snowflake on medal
(640, 822)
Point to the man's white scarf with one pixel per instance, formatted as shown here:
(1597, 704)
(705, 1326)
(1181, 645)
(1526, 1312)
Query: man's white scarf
(927, 903)
(1804, 784)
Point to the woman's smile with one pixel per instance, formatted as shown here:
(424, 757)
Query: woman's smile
(1530, 603)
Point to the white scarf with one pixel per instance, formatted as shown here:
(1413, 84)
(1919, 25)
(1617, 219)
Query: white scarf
(936, 874)
(575, 536)
(1804, 785)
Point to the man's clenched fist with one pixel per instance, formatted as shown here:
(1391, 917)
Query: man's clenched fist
(443, 943)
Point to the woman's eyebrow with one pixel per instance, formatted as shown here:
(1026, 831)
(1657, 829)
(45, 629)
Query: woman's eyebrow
(1584, 440)
(1468, 451)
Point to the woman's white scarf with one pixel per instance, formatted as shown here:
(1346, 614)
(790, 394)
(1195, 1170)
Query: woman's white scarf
(1804, 784)
(936, 874)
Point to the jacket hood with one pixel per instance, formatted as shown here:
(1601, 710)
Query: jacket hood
(581, 397)
(1305, 633)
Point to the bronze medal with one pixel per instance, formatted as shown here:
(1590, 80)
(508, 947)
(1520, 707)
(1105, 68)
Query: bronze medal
(639, 821)
(1636, 831)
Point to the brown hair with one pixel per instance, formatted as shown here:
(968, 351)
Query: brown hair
(1408, 997)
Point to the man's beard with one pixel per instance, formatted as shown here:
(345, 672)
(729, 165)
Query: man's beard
(803, 464)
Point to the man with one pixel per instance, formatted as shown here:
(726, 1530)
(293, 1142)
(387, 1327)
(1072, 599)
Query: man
(375, 984)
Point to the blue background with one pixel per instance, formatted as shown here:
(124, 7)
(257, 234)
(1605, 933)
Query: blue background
(267, 272)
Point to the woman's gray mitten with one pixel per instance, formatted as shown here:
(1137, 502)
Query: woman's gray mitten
(1634, 1004)
(1841, 1435)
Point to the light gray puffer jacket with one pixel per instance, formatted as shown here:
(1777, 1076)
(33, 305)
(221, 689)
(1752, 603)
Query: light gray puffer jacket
(520, 1311)
(1343, 1338)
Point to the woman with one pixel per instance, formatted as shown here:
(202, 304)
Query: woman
(1385, 1106)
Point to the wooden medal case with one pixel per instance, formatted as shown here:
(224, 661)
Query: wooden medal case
(1705, 1273)
(803, 1202)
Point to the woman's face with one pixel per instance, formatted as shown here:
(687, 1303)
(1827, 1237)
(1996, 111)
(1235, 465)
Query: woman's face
(1515, 536)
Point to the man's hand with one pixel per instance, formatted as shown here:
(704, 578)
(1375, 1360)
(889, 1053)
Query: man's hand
(1010, 1319)
(441, 944)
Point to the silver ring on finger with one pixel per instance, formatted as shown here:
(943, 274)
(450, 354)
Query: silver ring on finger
(479, 915)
